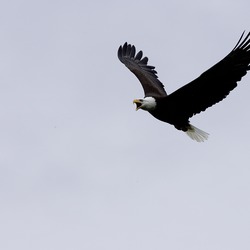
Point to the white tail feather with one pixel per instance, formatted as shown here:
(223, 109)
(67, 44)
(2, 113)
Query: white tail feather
(196, 134)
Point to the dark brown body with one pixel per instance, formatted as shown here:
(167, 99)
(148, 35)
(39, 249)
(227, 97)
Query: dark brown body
(170, 112)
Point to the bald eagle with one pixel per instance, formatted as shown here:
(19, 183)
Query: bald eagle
(210, 87)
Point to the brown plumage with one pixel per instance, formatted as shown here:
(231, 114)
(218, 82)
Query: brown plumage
(209, 88)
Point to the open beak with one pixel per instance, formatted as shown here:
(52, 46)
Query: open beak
(138, 103)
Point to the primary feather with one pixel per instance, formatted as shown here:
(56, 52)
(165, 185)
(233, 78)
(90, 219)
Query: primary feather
(145, 73)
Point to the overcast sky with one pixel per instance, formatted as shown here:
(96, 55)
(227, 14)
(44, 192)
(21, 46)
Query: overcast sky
(79, 168)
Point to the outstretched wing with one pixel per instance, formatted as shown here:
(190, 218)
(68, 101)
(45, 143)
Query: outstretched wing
(145, 73)
(214, 84)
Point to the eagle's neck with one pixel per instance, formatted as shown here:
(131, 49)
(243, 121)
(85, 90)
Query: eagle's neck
(149, 104)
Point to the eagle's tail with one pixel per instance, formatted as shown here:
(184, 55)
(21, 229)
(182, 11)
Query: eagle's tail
(196, 134)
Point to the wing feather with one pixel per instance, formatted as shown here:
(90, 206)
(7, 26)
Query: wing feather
(145, 73)
(215, 83)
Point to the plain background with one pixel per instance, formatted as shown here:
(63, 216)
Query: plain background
(79, 168)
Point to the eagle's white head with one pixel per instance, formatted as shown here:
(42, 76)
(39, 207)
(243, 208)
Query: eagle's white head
(147, 103)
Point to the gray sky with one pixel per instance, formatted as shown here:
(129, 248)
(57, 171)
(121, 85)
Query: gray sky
(79, 168)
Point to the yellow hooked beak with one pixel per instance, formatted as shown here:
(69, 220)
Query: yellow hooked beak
(138, 103)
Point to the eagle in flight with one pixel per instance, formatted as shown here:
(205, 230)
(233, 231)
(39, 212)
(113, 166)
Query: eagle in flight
(210, 87)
